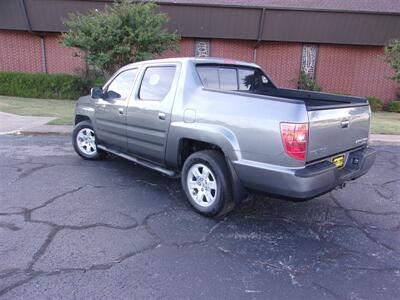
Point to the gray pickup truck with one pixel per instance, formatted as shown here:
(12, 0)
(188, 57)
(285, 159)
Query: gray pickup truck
(225, 129)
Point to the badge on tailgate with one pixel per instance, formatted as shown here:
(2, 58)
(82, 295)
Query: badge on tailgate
(338, 161)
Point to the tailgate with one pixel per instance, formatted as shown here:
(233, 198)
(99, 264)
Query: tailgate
(333, 131)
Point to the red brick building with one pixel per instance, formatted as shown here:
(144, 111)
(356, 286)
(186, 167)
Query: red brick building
(339, 43)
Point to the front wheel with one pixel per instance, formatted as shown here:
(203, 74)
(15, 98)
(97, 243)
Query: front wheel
(84, 141)
(206, 182)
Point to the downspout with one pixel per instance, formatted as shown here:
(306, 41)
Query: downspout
(43, 50)
(41, 36)
(259, 34)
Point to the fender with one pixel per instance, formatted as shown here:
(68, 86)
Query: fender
(208, 133)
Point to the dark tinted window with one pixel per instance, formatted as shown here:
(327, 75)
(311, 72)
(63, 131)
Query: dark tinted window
(156, 83)
(121, 85)
(251, 79)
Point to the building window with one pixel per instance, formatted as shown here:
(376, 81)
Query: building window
(202, 48)
(309, 59)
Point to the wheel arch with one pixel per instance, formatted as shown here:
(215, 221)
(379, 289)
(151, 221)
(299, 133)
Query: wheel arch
(80, 118)
(204, 136)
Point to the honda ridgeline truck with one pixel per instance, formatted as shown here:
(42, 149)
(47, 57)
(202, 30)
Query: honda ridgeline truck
(225, 128)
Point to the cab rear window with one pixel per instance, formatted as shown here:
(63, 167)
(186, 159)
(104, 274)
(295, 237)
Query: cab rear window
(231, 78)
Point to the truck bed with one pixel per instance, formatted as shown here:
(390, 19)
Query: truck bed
(337, 123)
(315, 100)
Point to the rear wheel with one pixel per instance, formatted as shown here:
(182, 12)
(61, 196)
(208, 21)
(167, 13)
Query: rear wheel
(206, 182)
(84, 141)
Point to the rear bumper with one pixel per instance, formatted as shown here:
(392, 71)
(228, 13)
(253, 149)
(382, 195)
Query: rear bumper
(305, 183)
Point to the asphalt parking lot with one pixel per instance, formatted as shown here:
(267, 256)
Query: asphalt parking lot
(73, 229)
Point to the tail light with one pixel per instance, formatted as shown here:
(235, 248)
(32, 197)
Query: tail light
(295, 138)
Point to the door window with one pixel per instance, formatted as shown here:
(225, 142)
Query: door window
(156, 83)
(121, 85)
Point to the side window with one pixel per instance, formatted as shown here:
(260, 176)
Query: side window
(156, 83)
(121, 85)
(228, 79)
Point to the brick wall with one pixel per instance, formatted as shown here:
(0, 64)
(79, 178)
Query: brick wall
(186, 49)
(20, 51)
(281, 61)
(62, 59)
(355, 70)
(235, 49)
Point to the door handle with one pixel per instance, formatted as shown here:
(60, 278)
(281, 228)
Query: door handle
(161, 116)
(121, 111)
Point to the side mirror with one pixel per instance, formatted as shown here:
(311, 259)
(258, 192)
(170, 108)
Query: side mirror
(96, 92)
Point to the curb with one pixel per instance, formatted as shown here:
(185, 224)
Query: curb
(40, 133)
(46, 130)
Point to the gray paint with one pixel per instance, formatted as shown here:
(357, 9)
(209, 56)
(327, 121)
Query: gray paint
(244, 126)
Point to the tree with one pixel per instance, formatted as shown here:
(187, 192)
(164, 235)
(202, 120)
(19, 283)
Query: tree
(392, 57)
(122, 33)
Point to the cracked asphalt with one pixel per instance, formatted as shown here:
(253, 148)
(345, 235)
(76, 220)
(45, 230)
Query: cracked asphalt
(74, 229)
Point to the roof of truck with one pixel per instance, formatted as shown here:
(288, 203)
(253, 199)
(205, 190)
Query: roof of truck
(206, 60)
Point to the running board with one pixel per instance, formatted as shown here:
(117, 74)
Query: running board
(139, 161)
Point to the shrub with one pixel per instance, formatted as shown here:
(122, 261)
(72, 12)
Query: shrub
(306, 83)
(100, 81)
(375, 103)
(40, 85)
(392, 57)
(394, 106)
(123, 32)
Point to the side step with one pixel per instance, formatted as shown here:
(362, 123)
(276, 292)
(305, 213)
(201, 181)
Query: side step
(139, 161)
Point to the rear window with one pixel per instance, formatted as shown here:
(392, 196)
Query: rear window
(209, 77)
(231, 78)
(228, 79)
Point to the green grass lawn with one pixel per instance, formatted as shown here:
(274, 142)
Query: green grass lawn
(61, 109)
(385, 123)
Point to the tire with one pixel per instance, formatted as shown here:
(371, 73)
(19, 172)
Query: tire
(87, 149)
(209, 195)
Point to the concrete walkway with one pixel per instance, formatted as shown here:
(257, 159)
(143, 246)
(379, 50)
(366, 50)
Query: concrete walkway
(14, 124)
(385, 139)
